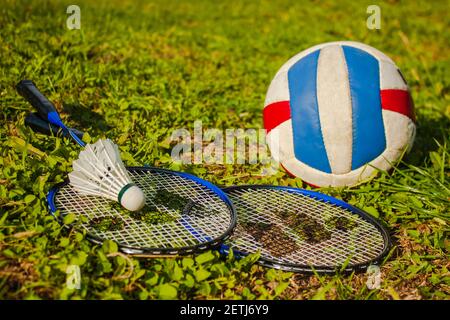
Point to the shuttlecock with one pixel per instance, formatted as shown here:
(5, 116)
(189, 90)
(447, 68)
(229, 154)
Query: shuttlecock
(99, 171)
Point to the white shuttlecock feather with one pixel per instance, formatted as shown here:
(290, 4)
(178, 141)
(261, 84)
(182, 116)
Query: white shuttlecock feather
(99, 171)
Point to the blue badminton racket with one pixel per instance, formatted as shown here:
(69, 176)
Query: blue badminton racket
(183, 214)
(302, 230)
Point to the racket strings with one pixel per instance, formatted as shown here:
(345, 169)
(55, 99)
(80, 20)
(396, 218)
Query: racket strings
(206, 213)
(293, 228)
(161, 224)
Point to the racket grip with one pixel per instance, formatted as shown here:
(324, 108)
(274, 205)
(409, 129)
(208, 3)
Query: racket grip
(35, 122)
(45, 108)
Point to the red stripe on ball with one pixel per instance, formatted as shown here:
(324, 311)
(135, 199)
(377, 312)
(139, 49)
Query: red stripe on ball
(275, 114)
(398, 101)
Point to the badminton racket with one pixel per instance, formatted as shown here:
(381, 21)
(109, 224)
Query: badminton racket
(183, 214)
(301, 230)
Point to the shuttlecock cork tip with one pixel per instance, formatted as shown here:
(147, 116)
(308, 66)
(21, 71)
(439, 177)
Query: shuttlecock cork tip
(131, 197)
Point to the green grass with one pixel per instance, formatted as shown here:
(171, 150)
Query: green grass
(136, 71)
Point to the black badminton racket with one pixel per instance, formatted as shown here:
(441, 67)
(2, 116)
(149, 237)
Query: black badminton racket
(183, 214)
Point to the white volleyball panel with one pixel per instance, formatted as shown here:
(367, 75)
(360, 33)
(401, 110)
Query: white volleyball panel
(390, 77)
(278, 89)
(335, 108)
(281, 141)
(400, 131)
(322, 179)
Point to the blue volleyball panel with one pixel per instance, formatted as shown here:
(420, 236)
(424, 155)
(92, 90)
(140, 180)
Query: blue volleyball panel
(309, 147)
(369, 139)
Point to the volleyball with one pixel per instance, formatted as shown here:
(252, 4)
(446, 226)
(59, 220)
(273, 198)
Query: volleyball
(337, 113)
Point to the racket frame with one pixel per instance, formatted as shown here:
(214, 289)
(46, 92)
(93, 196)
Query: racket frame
(209, 244)
(292, 267)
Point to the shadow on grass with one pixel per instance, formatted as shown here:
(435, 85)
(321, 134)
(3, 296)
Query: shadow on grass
(429, 130)
(85, 118)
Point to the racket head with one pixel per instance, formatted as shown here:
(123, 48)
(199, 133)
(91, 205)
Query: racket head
(197, 215)
(261, 205)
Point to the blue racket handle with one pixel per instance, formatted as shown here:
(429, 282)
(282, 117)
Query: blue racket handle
(35, 122)
(45, 108)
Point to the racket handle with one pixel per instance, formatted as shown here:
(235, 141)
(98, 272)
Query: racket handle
(35, 122)
(45, 108)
